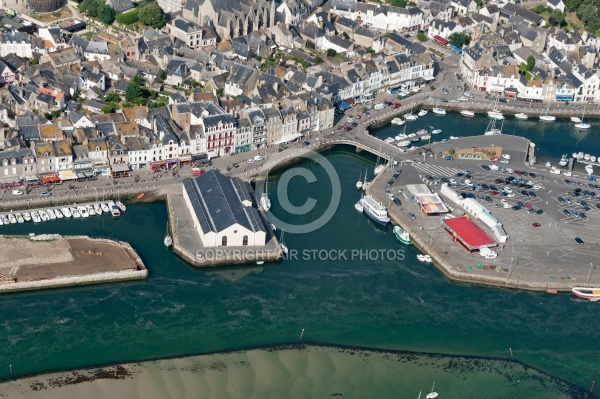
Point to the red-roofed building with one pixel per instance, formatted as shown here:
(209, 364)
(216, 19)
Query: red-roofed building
(468, 233)
(440, 40)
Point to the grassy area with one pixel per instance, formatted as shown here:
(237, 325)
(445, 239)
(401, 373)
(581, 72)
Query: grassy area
(54, 16)
(572, 18)
(88, 35)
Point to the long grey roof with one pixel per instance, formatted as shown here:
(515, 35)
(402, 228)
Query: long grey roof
(217, 202)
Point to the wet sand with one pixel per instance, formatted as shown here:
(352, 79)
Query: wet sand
(298, 372)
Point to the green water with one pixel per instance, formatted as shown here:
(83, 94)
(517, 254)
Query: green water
(394, 304)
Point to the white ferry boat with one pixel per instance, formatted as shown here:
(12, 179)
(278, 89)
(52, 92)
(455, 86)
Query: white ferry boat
(375, 210)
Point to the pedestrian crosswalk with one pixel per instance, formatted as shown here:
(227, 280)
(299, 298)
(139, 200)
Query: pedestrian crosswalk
(435, 170)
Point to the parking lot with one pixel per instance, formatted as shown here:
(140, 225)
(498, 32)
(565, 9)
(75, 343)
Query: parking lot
(529, 202)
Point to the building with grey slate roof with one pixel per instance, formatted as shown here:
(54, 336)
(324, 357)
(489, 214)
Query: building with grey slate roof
(223, 211)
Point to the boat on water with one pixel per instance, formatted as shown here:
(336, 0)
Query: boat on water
(27, 216)
(589, 169)
(168, 240)
(114, 209)
(453, 138)
(378, 169)
(66, 212)
(521, 116)
(375, 210)
(51, 214)
(411, 117)
(424, 258)
(121, 205)
(432, 394)
(58, 214)
(359, 182)
(389, 140)
(98, 209)
(467, 114)
(422, 131)
(439, 111)
(547, 117)
(284, 248)
(75, 212)
(436, 131)
(358, 206)
(564, 160)
(83, 211)
(401, 235)
(422, 112)
(575, 119)
(581, 124)
(593, 158)
(492, 130)
(104, 207)
(36, 217)
(397, 121)
(591, 294)
(404, 143)
(425, 137)
(19, 218)
(497, 115)
(90, 210)
(551, 291)
(587, 157)
(265, 202)
(43, 215)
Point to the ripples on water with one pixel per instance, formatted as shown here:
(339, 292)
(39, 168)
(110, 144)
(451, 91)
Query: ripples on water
(180, 310)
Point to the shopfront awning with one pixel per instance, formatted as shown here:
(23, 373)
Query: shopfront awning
(564, 98)
(119, 167)
(440, 40)
(288, 137)
(429, 78)
(67, 175)
(343, 106)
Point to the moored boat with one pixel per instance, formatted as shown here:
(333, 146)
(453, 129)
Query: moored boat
(401, 235)
(114, 209)
(51, 214)
(582, 125)
(123, 208)
(389, 140)
(495, 115)
(404, 143)
(439, 111)
(58, 214)
(564, 160)
(467, 114)
(358, 206)
(575, 119)
(75, 213)
(591, 294)
(90, 210)
(411, 117)
(375, 210)
(12, 219)
(83, 211)
(425, 137)
(44, 215)
(424, 258)
(19, 218)
(36, 217)
(398, 121)
(27, 216)
(66, 212)
(140, 195)
(422, 112)
(547, 117)
(98, 209)
(104, 207)
(436, 131)
(521, 116)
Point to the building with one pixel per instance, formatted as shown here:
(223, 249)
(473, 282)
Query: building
(223, 212)
(16, 165)
(186, 31)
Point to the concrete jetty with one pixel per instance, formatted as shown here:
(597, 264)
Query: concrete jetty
(53, 261)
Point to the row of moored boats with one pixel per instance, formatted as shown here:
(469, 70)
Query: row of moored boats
(82, 211)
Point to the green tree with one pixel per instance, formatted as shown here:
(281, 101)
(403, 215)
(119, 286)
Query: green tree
(163, 75)
(572, 5)
(540, 8)
(557, 18)
(34, 61)
(530, 62)
(152, 15)
(220, 92)
(317, 60)
(331, 53)
(108, 108)
(112, 98)
(451, 151)
(133, 91)
(346, 36)
(128, 18)
(397, 3)
(422, 36)
(458, 39)
(310, 44)
(106, 14)
(369, 50)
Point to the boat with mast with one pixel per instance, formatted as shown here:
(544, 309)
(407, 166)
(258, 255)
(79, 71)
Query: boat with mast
(265, 202)
(432, 394)
(492, 130)
(493, 112)
(411, 116)
(359, 183)
(582, 124)
(284, 248)
(547, 117)
(168, 240)
(422, 112)
(378, 167)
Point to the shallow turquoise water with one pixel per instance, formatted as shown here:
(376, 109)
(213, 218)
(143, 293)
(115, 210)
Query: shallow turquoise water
(396, 304)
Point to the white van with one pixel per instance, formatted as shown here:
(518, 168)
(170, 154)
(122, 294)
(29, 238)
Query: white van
(488, 253)
(494, 168)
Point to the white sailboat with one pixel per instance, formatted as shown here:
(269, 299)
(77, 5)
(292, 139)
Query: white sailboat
(432, 394)
(284, 248)
(265, 202)
(494, 112)
(491, 129)
(359, 183)
(422, 112)
(547, 117)
(168, 241)
(378, 167)
(365, 182)
(467, 113)
(582, 124)
(411, 116)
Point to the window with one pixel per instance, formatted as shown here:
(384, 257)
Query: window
(224, 241)
(245, 240)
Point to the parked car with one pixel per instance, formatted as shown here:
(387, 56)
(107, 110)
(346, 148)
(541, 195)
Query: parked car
(536, 224)
(17, 192)
(449, 158)
(412, 215)
(45, 194)
(579, 241)
(397, 201)
(539, 212)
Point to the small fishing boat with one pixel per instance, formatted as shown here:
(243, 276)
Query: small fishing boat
(90, 210)
(398, 121)
(83, 211)
(36, 217)
(44, 215)
(51, 214)
(422, 112)
(404, 143)
(551, 291)
(66, 212)
(104, 207)
(98, 209)
(123, 208)
(75, 213)
(591, 294)
(424, 258)
(358, 206)
(422, 131)
(389, 140)
(401, 235)
(436, 131)
(452, 137)
(58, 214)
(439, 111)
(168, 240)
(467, 114)
(521, 116)
(575, 119)
(114, 209)
(425, 137)
(140, 195)
(19, 218)
(27, 216)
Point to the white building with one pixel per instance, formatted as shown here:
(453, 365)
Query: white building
(17, 43)
(222, 212)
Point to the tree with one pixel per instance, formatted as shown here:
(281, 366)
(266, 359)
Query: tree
(345, 36)
(128, 18)
(317, 60)
(220, 92)
(397, 3)
(108, 109)
(163, 75)
(572, 5)
(331, 53)
(310, 44)
(422, 36)
(112, 98)
(35, 61)
(369, 50)
(106, 14)
(451, 151)
(557, 18)
(540, 8)
(530, 62)
(133, 91)
(152, 15)
(458, 39)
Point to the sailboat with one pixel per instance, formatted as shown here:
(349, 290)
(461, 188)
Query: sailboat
(494, 112)
(547, 117)
(265, 202)
(491, 129)
(359, 183)
(284, 249)
(378, 167)
(411, 116)
(365, 182)
(432, 394)
(168, 241)
(582, 124)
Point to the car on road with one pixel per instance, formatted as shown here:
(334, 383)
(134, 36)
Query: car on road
(598, 206)
(250, 161)
(354, 124)
(539, 212)
(412, 215)
(504, 161)
(579, 241)
(506, 190)
(566, 173)
(449, 158)
(494, 159)
(455, 101)
(350, 120)
(583, 203)
(536, 224)
(560, 199)
(306, 143)
(258, 158)
(443, 100)
(494, 192)
(45, 194)
(486, 167)
(532, 194)
(528, 205)
(575, 106)
(17, 192)
(574, 214)
(389, 183)
(397, 201)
